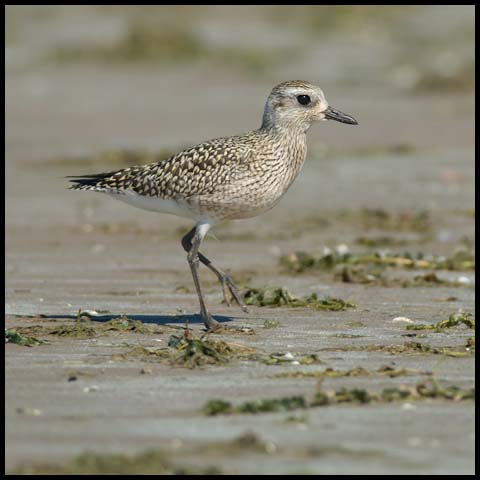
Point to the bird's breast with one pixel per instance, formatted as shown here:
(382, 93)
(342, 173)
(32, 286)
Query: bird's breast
(267, 180)
(257, 184)
(283, 165)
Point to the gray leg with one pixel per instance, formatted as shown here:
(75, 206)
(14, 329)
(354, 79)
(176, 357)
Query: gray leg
(193, 261)
(225, 280)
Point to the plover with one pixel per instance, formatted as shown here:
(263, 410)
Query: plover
(227, 178)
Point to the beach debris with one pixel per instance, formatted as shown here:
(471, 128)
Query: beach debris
(454, 320)
(16, 337)
(423, 390)
(281, 297)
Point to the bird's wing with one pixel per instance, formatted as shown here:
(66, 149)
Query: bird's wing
(194, 171)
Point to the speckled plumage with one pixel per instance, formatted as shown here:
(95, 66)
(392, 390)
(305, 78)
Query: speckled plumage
(226, 178)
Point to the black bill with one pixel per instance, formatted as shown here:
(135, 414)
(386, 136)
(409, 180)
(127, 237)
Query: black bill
(332, 114)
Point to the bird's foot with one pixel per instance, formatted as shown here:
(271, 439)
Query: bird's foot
(209, 322)
(230, 291)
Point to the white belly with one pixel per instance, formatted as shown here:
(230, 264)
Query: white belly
(155, 204)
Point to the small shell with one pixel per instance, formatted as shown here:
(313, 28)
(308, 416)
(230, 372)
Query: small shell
(402, 319)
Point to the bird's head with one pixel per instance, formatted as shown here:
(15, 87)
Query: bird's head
(298, 104)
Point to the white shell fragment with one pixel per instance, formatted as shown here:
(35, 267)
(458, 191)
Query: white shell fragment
(402, 319)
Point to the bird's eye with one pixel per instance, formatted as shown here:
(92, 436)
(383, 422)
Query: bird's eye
(303, 99)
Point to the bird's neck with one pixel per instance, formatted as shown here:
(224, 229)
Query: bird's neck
(283, 130)
(283, 126)
(289, 137)
(290, 150)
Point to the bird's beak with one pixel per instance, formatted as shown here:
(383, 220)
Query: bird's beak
(332, 114)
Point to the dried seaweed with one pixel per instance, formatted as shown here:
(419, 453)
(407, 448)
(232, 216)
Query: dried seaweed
(285, 404)
(299, 262)
(406, 348)
(14, 336)
(374, 275)
(271, 323)
(90, 329)
(188, 351)
(328, 372)
(289, 358)
(427, 389)
(353, 372)
(281, 297)
(232, 330)
(453, 320)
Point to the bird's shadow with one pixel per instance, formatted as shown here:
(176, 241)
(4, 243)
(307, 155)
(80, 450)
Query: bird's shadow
(156, 319)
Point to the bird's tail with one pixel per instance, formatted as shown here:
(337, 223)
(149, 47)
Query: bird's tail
(99, 182)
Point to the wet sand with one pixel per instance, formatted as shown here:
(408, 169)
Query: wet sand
(67, 251)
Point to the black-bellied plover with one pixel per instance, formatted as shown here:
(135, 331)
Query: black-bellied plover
(227, 178)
